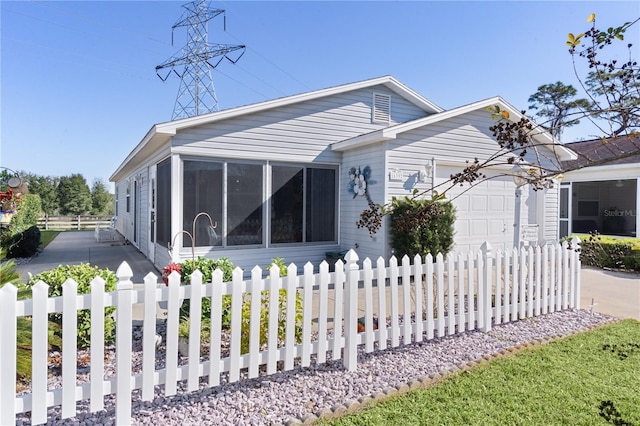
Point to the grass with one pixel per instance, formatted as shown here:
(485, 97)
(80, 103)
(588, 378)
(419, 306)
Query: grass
(591, 378)
(46, 237)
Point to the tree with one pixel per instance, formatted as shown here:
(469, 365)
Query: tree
(556, 103)
(101, 199)
(47, 188)
(612, 86)
(74, 195)
(620, 90)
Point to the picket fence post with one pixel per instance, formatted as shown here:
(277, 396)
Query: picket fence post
(8, 356)
(575, 264)
(487, 255)
(351, 311)
(124, 318)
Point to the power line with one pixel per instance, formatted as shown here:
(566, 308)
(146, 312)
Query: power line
(91, 20)
(270, 62)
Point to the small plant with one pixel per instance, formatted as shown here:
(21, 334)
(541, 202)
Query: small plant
(82, 274)
(167, 270)
(206, 266)
(205, 330)
(264, 313)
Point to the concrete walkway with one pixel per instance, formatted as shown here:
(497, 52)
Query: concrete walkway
(75, 247)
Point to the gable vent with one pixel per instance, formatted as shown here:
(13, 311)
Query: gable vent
(381, 112)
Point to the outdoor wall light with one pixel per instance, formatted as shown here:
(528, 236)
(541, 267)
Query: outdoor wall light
(519, 175)
(426, 173)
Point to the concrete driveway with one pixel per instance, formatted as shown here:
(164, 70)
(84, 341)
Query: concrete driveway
(614, 293)
(75, 247)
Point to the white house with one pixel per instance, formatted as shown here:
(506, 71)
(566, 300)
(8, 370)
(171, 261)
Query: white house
(602, 194)
(285, 177)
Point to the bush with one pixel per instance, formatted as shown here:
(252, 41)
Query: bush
(421, 226)
(27, 214)
(25, 243)
(82, 274)
(612, 253)
(206, 267)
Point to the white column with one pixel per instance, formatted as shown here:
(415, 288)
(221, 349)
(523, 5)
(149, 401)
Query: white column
(517, 218)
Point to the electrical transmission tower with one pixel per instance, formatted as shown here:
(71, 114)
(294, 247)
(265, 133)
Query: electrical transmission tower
(194, 62)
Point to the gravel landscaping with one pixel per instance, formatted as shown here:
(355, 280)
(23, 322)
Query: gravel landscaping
(303, 394)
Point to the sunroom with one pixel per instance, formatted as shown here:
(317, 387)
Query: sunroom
(227, 205)
(601, 194)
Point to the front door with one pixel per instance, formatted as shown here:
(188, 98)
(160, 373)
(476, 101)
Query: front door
(565, 209)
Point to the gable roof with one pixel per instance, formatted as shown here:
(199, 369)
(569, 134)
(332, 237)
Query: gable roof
(620, 150)
(162, 132)
(392, 132)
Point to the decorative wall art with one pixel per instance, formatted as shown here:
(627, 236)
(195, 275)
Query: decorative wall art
(359, 182)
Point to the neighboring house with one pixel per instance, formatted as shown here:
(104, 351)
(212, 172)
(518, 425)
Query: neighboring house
(286, 177)
(604, 196)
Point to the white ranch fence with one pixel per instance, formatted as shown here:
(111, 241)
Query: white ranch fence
(419, 300)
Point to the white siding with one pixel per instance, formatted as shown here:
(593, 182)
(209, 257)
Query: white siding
(457, 139)
(300, 132)
(352, 237)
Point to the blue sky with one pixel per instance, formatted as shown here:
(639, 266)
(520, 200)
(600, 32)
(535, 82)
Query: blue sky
(79, 89)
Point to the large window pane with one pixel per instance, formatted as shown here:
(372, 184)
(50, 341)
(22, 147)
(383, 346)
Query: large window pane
(244, 204)
(202, 193)
(163, 212)
(287, 204)
(321, 205)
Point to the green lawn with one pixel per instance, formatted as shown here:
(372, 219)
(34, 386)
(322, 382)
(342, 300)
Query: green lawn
(46, 237)
(592, 378)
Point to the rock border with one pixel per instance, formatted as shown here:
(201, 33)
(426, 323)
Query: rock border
(424, 382)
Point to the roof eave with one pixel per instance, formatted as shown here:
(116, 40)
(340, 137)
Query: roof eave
(362, 140)
(153, 136)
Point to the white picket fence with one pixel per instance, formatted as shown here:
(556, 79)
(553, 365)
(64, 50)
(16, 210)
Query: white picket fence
(419, 300)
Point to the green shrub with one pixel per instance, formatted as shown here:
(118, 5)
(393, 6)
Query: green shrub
(27, 214)
(607, 252)
(25, 243)
(421, 226)
(206, 266)
(83, 274)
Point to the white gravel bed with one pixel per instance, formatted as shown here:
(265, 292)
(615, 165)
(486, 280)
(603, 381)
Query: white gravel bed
(302, 394)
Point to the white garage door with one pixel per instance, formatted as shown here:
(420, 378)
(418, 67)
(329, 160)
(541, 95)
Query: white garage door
(484, 213)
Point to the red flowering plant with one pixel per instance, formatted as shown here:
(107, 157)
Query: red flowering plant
(168, 270)
(9, 201)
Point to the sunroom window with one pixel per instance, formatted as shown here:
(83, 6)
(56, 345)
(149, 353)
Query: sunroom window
(244, 204)
(301, 203)
(202, 193)
(287, 204)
